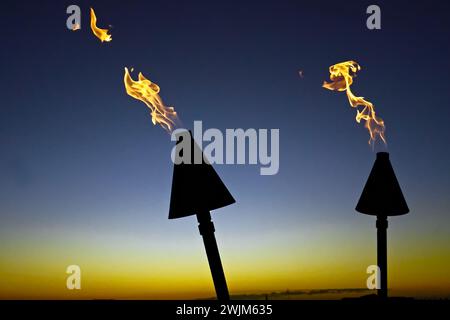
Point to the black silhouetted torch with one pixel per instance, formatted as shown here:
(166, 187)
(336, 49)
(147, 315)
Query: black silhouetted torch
(382, 197)
(197, 189)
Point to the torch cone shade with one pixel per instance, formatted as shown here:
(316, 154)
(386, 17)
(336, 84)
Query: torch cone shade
(382, 194)
(196, 188)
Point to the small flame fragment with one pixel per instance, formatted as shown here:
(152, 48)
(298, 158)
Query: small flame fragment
(341, 75)
(102, 34)
(148, 92)
(76, 27)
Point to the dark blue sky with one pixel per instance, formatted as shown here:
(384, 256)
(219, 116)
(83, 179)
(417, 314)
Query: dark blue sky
(77, 152)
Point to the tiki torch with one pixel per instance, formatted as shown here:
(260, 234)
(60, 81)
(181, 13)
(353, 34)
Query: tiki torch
(197, 189)
(382, 197)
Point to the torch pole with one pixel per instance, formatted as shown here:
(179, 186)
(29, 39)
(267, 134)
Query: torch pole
(206, 228)
(382, 225)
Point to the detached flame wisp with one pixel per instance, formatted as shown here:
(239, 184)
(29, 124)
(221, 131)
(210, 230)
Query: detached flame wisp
(148, 92)
(341, 75)
(102, 34)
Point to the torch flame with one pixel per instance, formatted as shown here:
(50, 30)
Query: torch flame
(102, 34)
(341, 75)
(148, 92)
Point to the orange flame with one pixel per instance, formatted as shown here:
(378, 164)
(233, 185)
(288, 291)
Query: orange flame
(148, 92)
(341, 75)
(102, 34)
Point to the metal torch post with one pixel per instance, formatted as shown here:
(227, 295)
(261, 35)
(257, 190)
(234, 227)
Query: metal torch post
(206, 228)
(382, 225)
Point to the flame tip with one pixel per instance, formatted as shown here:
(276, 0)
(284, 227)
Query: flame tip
(101, 34)
(341, 76)
(148, 92)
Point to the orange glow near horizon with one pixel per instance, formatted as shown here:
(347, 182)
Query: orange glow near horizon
(116, 268)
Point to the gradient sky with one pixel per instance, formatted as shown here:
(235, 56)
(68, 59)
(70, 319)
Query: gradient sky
(85, 177)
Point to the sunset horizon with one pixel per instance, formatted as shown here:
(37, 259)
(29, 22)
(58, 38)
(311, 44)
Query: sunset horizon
(224, 150)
